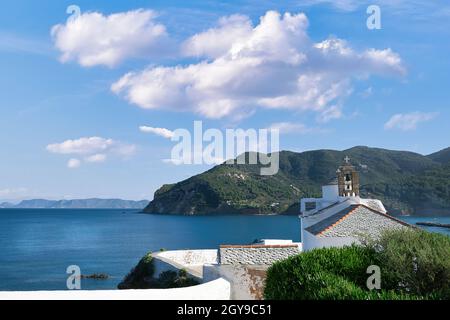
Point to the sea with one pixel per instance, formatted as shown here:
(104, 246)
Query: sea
(38, 245)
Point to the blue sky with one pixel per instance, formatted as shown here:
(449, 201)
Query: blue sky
(382, 102)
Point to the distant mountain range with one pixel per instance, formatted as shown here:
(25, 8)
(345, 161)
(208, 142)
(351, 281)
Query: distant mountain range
(407, 183)
(78, 204)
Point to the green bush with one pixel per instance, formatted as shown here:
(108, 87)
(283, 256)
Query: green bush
(304, 275)
(137, 278)
(142, 277)
(172, 279)
(415, 261)
(328, 286)
(414, 265)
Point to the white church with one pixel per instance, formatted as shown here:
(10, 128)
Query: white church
(341, 217)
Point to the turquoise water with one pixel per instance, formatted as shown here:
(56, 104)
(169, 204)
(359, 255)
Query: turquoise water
(413, 220)
(36, 246)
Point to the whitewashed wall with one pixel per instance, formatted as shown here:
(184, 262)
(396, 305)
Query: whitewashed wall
(247, 281)
(190, 260)
(312, 242)
(218, 289)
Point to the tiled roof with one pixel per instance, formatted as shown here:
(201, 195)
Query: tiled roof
(330, 221)
(255, 254)
(326, 208)
(353, 220)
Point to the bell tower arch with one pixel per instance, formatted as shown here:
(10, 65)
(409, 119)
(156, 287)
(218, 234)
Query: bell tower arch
(348, 179)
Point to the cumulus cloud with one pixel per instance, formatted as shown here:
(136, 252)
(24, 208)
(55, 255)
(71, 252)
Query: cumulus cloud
(82, 146)
(408, 121)
(96, 158)
(271, 65)
(217, 41)
(162, 132)
(95, 39)
(73, 163)
(92, 149)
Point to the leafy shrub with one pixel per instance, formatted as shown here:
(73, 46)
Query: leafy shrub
(414, 265)
(415, 261)
(138, 276)
(320, 273)
(328, 286)
(172, 279)
(142, 277)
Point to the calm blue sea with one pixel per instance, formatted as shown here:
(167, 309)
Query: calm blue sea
(36, 246)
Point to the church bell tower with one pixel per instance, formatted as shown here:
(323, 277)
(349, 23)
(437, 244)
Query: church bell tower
(348, 179)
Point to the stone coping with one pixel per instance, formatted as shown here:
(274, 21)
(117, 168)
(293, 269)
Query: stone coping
(259, 246)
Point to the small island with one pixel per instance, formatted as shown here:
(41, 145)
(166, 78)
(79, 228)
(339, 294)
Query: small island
(96, 276)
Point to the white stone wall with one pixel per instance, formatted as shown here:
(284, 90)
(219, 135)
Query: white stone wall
(246, 281)
(218, 289)
(189, 257)
(190, 260)
(312, 242)
(271, 242)
(330, 193)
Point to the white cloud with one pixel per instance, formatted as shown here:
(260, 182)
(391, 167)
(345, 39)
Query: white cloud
(163, 132)
(217, 41)
(94, 39)
(96, 158)
(408, 121)
(272, 65)
(82, 146)
(73, 164)
(94, 149)
(330, 113)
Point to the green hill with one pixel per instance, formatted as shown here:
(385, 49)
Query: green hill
(407, 182)
(442, 156)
